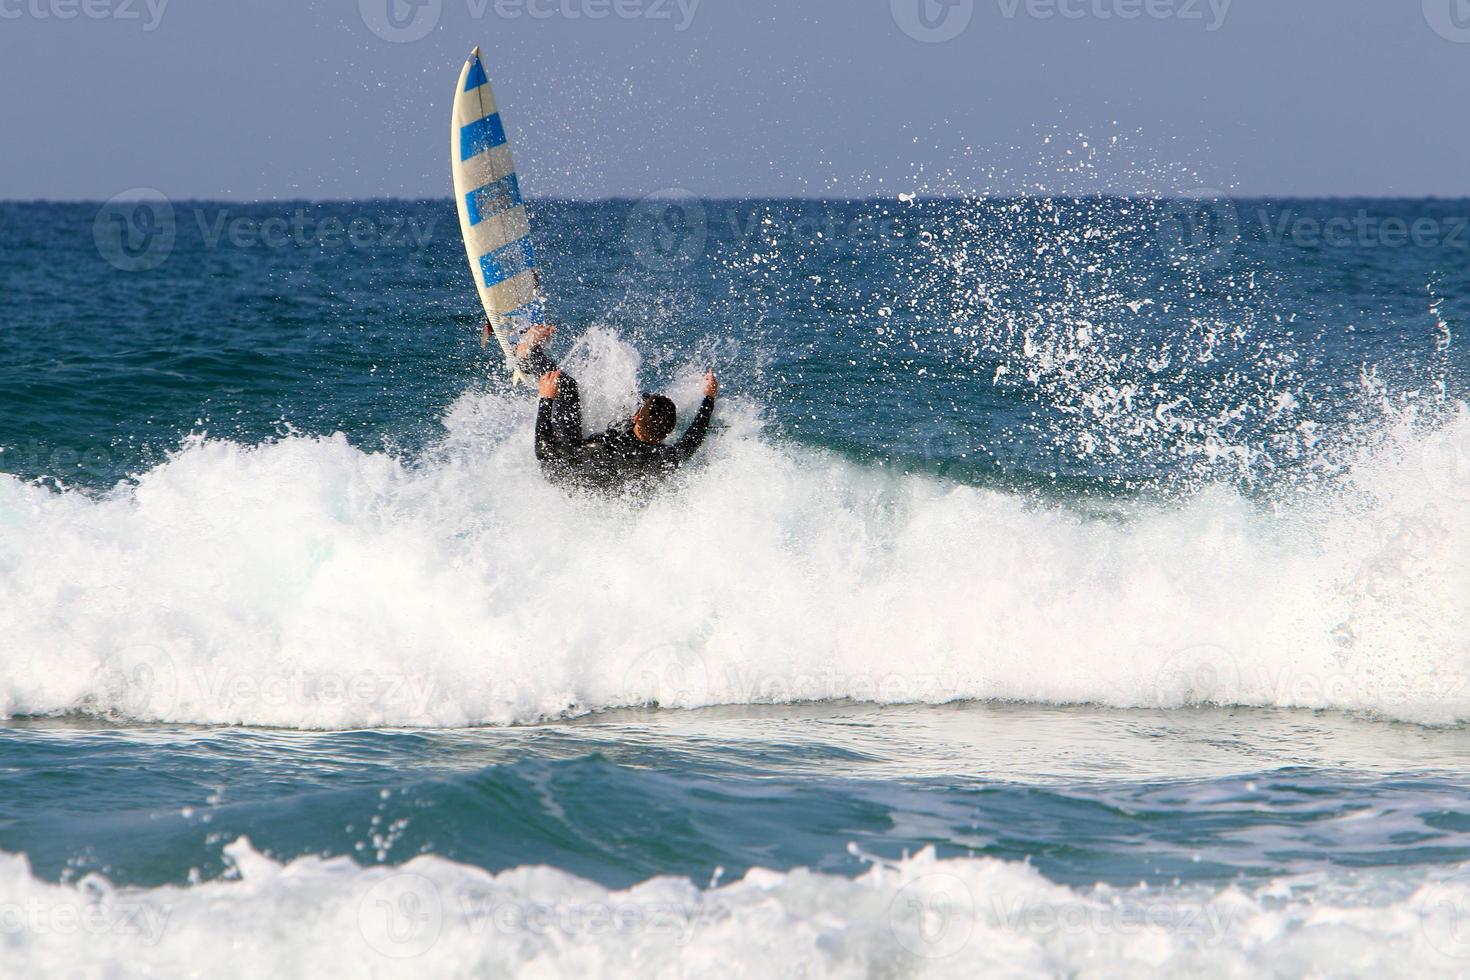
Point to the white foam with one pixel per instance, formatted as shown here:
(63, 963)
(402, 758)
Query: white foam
(305, 583)
(919, 917)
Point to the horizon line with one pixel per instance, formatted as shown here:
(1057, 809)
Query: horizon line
(902, 198)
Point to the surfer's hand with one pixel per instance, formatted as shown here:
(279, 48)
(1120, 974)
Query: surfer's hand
(534, 337)
(550, 384)
(711, 384)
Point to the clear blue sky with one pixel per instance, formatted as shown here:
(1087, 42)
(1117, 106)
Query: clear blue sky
(285, 98)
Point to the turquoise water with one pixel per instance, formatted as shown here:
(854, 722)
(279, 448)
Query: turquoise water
(1067, 586)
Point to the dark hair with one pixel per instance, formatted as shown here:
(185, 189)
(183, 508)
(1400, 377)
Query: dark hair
(659, 417)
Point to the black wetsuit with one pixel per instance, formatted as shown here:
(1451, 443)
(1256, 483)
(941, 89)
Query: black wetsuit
(612, 460)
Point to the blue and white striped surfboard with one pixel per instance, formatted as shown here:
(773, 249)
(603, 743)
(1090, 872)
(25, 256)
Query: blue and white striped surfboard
(492, 217)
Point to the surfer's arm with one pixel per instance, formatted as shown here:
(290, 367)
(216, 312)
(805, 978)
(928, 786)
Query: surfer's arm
(694, 435)
(531, 351)
(558, 418)
(546, 447)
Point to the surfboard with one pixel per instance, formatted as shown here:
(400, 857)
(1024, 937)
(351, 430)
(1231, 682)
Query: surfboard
(492, 216)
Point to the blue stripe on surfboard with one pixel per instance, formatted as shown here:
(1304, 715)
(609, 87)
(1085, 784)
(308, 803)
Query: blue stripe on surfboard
(493, 198)
(531, 309)
(483, 134)
(506, 263)
(476, 76)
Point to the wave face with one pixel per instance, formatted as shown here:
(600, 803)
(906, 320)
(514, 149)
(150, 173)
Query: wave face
(303, 582)
(920, 917)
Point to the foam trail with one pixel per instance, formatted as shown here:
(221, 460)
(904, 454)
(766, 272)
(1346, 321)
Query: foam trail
(920, 917)
(305, 583)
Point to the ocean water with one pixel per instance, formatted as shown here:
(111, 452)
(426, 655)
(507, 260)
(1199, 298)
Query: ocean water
(1068, 586)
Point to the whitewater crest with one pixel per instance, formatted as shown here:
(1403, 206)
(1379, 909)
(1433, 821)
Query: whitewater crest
(921, 917)
(306, 583)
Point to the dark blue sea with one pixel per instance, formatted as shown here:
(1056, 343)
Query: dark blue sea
(1067, 586)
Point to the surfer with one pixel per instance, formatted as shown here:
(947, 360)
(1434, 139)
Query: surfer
(629, 452)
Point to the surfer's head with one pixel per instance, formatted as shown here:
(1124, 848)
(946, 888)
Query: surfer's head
(655, 419)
